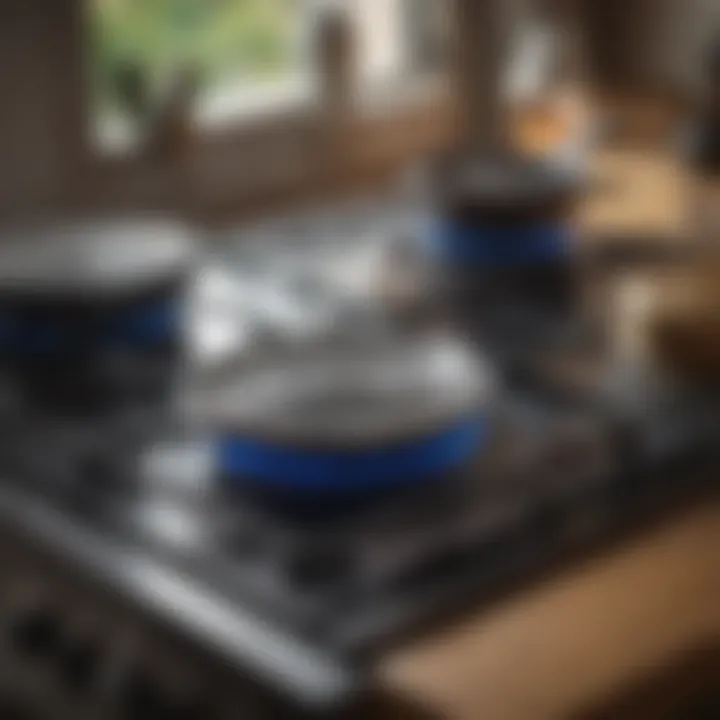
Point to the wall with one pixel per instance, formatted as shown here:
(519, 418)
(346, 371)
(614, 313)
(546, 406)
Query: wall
(655, 43)
(43, 127)
(696, 29)
(41, 100)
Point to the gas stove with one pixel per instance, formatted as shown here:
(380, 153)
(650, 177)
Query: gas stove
(139, 582)
(136, 583)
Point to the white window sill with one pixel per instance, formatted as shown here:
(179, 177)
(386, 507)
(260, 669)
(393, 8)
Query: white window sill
(221, 109)
(234, 104)
(231, 107)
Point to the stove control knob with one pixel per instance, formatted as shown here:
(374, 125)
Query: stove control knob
(35, 633)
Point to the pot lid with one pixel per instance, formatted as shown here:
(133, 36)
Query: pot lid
(103, 256)
(350, 396)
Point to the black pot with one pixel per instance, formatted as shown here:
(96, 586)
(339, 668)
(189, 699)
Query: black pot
(331, 431)
(84, 324)
(505, 238)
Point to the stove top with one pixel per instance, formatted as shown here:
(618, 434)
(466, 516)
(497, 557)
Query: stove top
(307, 602)
(129, 503)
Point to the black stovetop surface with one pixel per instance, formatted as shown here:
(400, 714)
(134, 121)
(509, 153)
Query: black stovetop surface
(131, 498)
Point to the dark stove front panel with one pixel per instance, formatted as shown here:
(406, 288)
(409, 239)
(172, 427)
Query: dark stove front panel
(138, 640)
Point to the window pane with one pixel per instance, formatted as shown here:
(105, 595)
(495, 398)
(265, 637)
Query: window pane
(246, 56)
(427, 27)
(396, 37)
(243, 42)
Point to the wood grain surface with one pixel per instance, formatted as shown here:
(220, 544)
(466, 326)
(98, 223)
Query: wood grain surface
(572, 643)
(636, 192)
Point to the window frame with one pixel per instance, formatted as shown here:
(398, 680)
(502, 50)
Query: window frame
(282, 150)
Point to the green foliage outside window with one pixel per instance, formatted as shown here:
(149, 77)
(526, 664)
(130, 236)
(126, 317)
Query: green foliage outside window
(220, 40)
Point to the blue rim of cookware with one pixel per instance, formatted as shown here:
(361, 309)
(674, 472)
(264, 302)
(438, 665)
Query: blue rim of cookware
(248, 460)
(142, 326)
(504, 247)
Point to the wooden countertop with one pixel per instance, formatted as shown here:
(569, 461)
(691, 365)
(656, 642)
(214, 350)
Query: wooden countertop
(571, 643)
(638, 192)
(561, 648)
